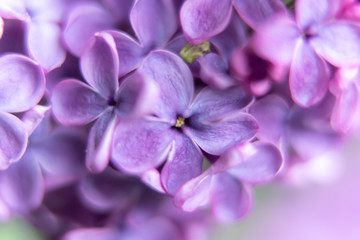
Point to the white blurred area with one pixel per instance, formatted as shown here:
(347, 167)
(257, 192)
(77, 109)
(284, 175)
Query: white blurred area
(322, 202)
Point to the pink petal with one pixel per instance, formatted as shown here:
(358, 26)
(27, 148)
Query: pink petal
(13, 139)
(184, 163)
(154, 21)
(22, 83)
(338, 43)
(256, 12)
(99, 64)
(308, 76)
(14, 9)
(44, 44)
(203, 19)
(75, 103)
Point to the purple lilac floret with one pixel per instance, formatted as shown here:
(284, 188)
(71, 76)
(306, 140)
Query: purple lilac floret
(131, 119)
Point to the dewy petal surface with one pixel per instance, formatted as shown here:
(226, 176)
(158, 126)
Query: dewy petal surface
(22, 186)
(230, 198)
(141, 145)
(184, 163)
(13, 139)
(256, 12)
(260, 166)
(44, 44)
(338, 43)
(75, 103)
(174, 80)
(154, 21)
(100, 64)
(22, 83)
(308, 75)
(215, 137)
(203, 19)
(129, 51)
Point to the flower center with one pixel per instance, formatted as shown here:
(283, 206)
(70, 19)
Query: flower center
(180, 121)
(189, 53)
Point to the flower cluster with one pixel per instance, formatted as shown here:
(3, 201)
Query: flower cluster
(127, 119)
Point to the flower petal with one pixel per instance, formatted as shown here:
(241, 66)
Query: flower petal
(194, 193)
(75, 103)
(230, 199)
(276, 40)
(99, 143)
(308, 76)
(83, 22)
(271, 113)
(13, 9)
(34, 117)
(256, 12)
(13, 139)
(44, 44)
(203, 19)
(154, 21)
(217, 136)
(338, 43)
(129, 51)
(174, 79)
(92, 234)
(1, 27)
(22, 83)
(22, 186)
(184, 163)
(141, 145)
(99, 64)
(261, 165)
(210, 103)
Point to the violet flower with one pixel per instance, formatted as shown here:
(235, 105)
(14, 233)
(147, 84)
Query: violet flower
(76, 103)
(227, 184)
(22, 85)
(213, 122)
(306, 43)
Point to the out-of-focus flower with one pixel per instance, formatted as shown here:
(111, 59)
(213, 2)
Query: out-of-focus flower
(213, 122)
(76, 103)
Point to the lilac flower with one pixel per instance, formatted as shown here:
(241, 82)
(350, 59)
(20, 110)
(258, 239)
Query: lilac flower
(22, 85)
(213, 122)
(306, 43)
(203, 19)
(76, 103)
(227, 184)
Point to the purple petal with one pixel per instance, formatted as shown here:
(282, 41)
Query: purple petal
(308, 76)
(276, 40)
(83, 22)
(22, 83)
(310, 13)
(213, 71)
(260, 165)
(345, 109)
(141, 145)
(1, 27)
(184, 163)
(75, 103)
(13, 9)
(194, 193)
(92, 234)
(137, 96)
(34, 117)
(13, 139)
(152, 179)
(154, 21)
(174, 79)
(99, 143)
(256, 12)
(217, 136)
(21, 186)
(44, 44)
(100, 64)
(271, 113)
(201, 20)
(230, 199)
(129, 51)
(210, 103)
(338, 43)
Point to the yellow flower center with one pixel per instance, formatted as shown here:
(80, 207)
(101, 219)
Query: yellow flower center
(189, 53)
(180, 121)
